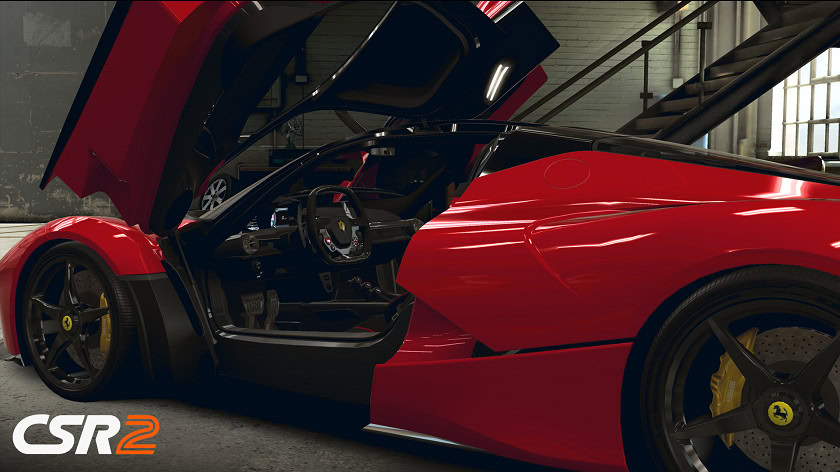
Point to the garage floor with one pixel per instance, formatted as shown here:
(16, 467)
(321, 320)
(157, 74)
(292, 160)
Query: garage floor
(222, 425)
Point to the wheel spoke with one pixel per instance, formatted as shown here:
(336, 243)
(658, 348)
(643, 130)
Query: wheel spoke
(47, 308)
(82, 353)
(92, 314)
(756, 372)
(825, 429)
(739, 419)
(811, 378)
(783, 455)
(59, 345)
(69, 291)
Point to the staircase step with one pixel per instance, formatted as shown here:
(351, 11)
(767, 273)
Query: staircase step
(679, 105)
(711, 85)
(656, 122)
(788, 31)
(759, 50)
(807, 12)
(732, 68)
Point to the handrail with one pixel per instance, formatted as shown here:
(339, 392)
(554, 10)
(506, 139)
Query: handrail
(753, 82)
(612, 52)
(621, 65)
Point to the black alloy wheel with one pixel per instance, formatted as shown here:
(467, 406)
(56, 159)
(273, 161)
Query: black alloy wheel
(773, 334)
(79, 324)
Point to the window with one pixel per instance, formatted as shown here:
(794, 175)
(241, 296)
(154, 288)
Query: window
(522, 147)
(806, 109)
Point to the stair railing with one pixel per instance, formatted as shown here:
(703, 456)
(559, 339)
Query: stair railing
(647, 46)
(703, 26)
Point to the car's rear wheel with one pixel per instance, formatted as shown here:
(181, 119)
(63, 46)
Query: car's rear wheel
(745, 375)
(79, 324)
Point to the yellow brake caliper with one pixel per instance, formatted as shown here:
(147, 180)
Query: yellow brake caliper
(728, 383)
(104, 328)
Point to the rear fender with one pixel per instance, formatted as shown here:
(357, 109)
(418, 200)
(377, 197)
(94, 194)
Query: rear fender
(560, 281)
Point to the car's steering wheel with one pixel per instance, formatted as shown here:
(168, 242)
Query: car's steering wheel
(338, 239)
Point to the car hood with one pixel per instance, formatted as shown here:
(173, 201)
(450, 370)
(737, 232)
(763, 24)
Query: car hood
(171, 84)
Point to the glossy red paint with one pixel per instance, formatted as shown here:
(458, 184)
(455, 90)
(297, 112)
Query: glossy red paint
(492, 8)
(126, 250)
(120, 142)
(534, 265)
(432, 337)
(557, 408)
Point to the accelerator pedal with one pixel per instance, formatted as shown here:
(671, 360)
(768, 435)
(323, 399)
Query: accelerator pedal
(272, 308)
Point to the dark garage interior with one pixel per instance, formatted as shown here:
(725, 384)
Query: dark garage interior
(756, 79)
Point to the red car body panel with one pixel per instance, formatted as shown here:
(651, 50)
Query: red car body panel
(118, 136)
(578, 248)
(433, 386)
(529, 266)
(126, 250)
(537, 266)
(498, 404)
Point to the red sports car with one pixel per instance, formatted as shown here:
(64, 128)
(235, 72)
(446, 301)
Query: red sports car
(566, 297)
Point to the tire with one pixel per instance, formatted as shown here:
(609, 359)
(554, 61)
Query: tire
(790, 316)
(218, 190)
(86, 363)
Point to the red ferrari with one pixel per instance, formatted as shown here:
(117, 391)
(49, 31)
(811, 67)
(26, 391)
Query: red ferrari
(567, 297)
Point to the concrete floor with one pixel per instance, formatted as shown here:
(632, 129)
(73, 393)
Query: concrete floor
(221, 425)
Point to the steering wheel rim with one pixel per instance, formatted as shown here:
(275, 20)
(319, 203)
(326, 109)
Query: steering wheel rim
(359, 227)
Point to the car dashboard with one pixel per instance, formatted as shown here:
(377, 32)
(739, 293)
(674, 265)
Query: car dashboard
(277, 238)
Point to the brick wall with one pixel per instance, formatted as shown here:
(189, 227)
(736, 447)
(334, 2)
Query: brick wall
(587, 30)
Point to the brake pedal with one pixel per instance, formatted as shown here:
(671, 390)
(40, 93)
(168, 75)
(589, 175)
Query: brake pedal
(326, 281)
(254, 305)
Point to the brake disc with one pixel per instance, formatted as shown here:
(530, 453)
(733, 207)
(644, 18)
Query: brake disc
(784, 349)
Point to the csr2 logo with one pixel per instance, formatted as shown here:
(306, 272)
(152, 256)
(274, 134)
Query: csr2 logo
(129, 444)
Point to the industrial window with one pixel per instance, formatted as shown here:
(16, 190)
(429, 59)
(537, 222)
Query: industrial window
(806, 109)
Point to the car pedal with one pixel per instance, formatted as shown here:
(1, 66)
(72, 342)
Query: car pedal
(272, 308)
(326, 281)
(254, 305)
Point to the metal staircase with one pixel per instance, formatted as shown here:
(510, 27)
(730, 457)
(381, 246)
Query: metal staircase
(800, 32)
(797, 32)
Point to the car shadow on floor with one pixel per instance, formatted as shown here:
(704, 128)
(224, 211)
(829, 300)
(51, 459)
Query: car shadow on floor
(340, 420)
(328, 417)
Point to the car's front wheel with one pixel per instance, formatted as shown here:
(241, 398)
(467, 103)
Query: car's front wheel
(79, 324)
(745, 375)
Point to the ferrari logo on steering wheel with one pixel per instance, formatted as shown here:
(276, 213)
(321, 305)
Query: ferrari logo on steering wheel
(67, 323)
(341, 225)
